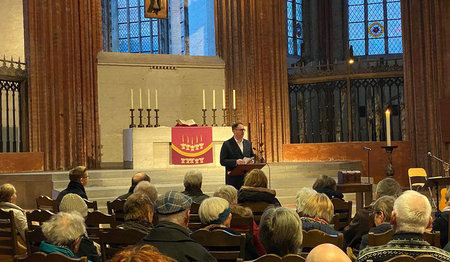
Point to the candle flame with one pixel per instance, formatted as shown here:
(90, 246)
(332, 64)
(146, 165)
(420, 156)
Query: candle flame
(388, 112)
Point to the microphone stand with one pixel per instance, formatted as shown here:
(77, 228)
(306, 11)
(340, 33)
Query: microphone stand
(445, 165)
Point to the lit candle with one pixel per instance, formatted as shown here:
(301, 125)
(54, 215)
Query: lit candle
(204, 102)
(223, 98)
(388, 127)
(214, 99)
(132, 105)
(148, 98)
(234, 99)
(156, 99)
(140, 98)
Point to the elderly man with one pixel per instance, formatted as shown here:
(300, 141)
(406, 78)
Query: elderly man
(63, 233)
(361, 223)
(145, 187)
(171, 236)
(327, 253)
(138, 177)
(193, 186)
(138, 211)
(410, 217)
(78, 180)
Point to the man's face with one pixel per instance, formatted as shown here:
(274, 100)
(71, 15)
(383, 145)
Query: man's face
(239, 132)
(84, 179)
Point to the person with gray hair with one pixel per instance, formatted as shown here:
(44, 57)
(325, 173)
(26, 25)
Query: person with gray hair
(302, 197)
(361, 222)
(193, 186)
(63, 233)
(410, 217)
(145, 187)
(280, 231)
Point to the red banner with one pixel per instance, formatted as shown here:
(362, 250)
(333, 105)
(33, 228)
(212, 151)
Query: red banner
(192, 145)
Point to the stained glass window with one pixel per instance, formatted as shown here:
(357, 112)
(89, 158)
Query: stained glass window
(132, 31)
(374, 27)
(294, 23)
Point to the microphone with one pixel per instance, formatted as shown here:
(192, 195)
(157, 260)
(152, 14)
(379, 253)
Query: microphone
(367, 148)
(429, 153)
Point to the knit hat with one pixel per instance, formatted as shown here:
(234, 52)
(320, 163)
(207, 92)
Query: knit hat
(172, 202)
(73, 202)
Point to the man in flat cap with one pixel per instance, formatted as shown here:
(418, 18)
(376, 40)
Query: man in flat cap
(171, 236)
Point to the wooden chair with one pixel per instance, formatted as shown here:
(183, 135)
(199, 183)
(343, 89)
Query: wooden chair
(37, 217)
(342, 213)
(433, 238)
(276, 258)
(194, 218)
(257, 208)
(406, 258)
(33, 239)
(97, 221)
(117, 239)
(221, 244)
(92, 205)
(380, 239)
(8, 237)
(52, 257)
(45, 202)
(315, 237)
(194, 208)
(116, 207)
(242, 224)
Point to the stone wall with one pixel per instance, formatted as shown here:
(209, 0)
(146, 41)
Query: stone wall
(11, 30)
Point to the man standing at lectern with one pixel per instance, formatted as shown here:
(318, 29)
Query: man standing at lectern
(236, 151)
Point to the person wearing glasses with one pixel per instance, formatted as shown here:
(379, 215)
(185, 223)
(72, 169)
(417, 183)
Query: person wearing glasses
(78, 177)
(236, 151)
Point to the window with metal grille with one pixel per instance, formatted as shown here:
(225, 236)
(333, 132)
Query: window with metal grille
(294, 23)
(374, 27)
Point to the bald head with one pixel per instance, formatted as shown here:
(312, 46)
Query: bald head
(327, 252)
(138, 177)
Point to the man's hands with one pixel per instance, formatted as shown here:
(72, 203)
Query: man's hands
(245, 161)
(240, 162)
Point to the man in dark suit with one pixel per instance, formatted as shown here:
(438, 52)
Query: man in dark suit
(233, 152)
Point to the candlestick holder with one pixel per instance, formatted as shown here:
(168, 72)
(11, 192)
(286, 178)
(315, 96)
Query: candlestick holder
(389, 169)
(132, 125)
(224, 110)
(149, 118)
(204, 117)
(234, 115)
(140, 117)
(214, 116)
(156, 117)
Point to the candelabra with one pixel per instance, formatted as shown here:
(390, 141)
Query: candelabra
(140, 117)
(214, 117)
(148, 118)
(156, 117)
(389, 169)
(224, 110)
(204, 117)
(132, 125)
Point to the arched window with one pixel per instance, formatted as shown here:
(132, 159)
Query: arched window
(374, 27)
(294, 27)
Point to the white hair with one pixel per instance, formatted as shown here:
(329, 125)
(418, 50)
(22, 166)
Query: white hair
(211, 208)
(146, 188)
(412, 211)
(302, 197)
(64, 228)
(193, 178)
(228, 193)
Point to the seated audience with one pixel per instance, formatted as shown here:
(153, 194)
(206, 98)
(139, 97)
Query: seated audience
(280, 231)
(138, 211)
(141, 253)
(229, 193)
(193, 186)
(63, 233)
(382, 210)
(145, 187)
(255, 189)
(171, 236)
(8, 197)
(215, 212)
(327, 185)
(410, 218)
(74, 203)
(138, 177)
(441, 222)
(78, 177)
(302, 197)
(361, 222)
(327, 253)
(318, 213)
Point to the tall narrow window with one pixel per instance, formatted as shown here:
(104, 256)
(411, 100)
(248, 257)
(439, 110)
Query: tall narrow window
(294, 27)
(374, 27)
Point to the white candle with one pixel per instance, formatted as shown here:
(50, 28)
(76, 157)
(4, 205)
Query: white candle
(214, 99)
(148, 98)
(204, 102)
(140, 98)
(234, 99)
(156, 99)
(223, 98)
(388, 127)
(132, 105)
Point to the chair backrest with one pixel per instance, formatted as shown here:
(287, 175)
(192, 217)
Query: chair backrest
(276, 258)
(242, 224)
(194, 208)
(52, 257)
(221, 244)
(380, 239)
(257, 208)
(8, 233)
(315, 237)
(45, 202)
(342, 213)
(37, 217)
(97, 221)
(117, 239)
(433, 238)
(417, 177)
(33, 239)
(406, 258)
(91, 205)
(116, 207)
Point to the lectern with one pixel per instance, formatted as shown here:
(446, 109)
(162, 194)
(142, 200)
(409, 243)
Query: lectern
(244, 169)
